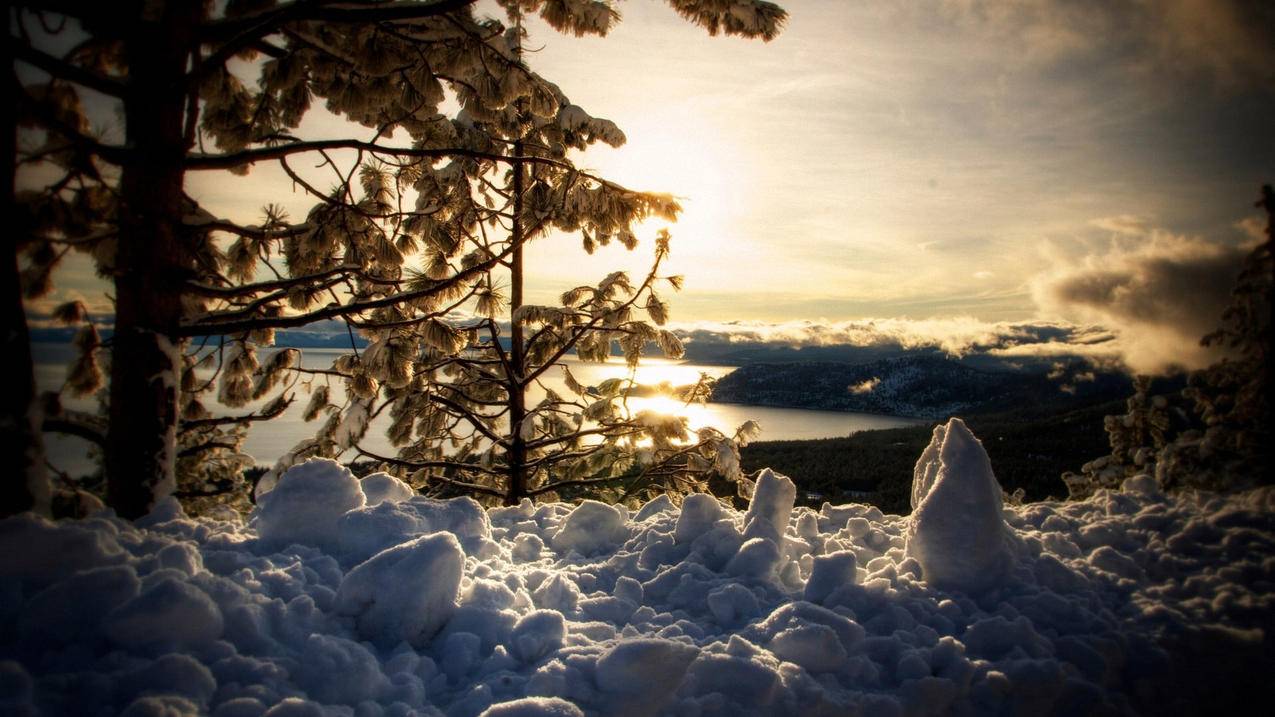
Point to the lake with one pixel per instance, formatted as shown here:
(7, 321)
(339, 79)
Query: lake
(269, 440)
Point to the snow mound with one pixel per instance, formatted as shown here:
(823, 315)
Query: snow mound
(383, 487)
(1132, 601)
(364, 532)
(957, 534)
(591, 528)
(534, 707)
(771, 506)
(405, 593)
(306, 504)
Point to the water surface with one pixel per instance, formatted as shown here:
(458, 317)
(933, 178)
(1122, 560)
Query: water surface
(267, 441)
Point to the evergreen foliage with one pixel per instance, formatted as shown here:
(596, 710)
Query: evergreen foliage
(201, 87)
(1216, 435)
(1231, 400)
(1135, 437)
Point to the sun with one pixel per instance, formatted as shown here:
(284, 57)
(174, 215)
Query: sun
(706, 170)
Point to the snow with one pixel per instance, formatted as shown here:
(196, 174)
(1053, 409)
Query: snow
(534, 707)
(957, 534)
(771, 506)
(828, 572)
(351, 598)
(699, 513)
(307, 503)
(383, 487)
(405, 593)
(591, 528)
(170, 613)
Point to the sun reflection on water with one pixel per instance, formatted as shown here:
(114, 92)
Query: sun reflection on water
(662, 375)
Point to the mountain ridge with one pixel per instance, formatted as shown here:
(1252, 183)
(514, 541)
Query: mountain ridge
(922, 386)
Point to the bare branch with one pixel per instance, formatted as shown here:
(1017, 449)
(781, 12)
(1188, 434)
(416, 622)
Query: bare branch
(72, 428)
(63, 70)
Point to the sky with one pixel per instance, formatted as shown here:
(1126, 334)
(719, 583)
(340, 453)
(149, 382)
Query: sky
(943, 163)
(1094, 162)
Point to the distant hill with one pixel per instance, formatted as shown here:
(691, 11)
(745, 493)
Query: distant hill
(921, 385)
(328, 334)
(740, 354)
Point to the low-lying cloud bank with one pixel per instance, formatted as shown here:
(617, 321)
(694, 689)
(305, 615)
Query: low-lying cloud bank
(958, 336)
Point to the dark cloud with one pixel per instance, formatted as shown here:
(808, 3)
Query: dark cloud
(1222, 42)
(1160, 297)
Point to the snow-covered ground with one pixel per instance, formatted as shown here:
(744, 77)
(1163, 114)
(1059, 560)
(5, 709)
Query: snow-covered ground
(343, 597)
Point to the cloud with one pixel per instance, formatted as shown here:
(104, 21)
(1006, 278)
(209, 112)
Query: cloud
(1123, 224)
(1226, 42)
(955, 335)
(1160, 296)
(1108, 354)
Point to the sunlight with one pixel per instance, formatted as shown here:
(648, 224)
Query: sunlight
(704, 170)
(655, 371)
(707, 172)
(698, 415)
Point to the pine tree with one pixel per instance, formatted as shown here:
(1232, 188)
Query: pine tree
(1232, 399)
(1137, 437)
(461, 408)
(1226, 441)
(180, 76)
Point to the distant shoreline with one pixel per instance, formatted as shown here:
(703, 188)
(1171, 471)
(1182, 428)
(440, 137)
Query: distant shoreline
(918, 419)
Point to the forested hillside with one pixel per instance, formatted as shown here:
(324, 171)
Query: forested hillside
(921, 385)
(1029, 447)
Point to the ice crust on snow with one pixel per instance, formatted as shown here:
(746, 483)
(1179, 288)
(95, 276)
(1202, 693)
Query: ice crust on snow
(1131, 601)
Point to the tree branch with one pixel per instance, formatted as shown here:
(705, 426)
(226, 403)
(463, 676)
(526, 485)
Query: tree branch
(472, 418)
(209, 325)
(114, 154)
(71, 428)
(429, 464)
(227, 420)
(264, 22)
(63, 70)
(201, 447)
(204, 161)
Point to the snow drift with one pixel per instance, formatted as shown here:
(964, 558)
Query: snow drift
(359, 599)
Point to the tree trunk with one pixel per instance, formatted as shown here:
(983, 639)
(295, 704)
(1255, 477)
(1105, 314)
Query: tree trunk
(517, 455)
(28, 487)
(141, 444)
